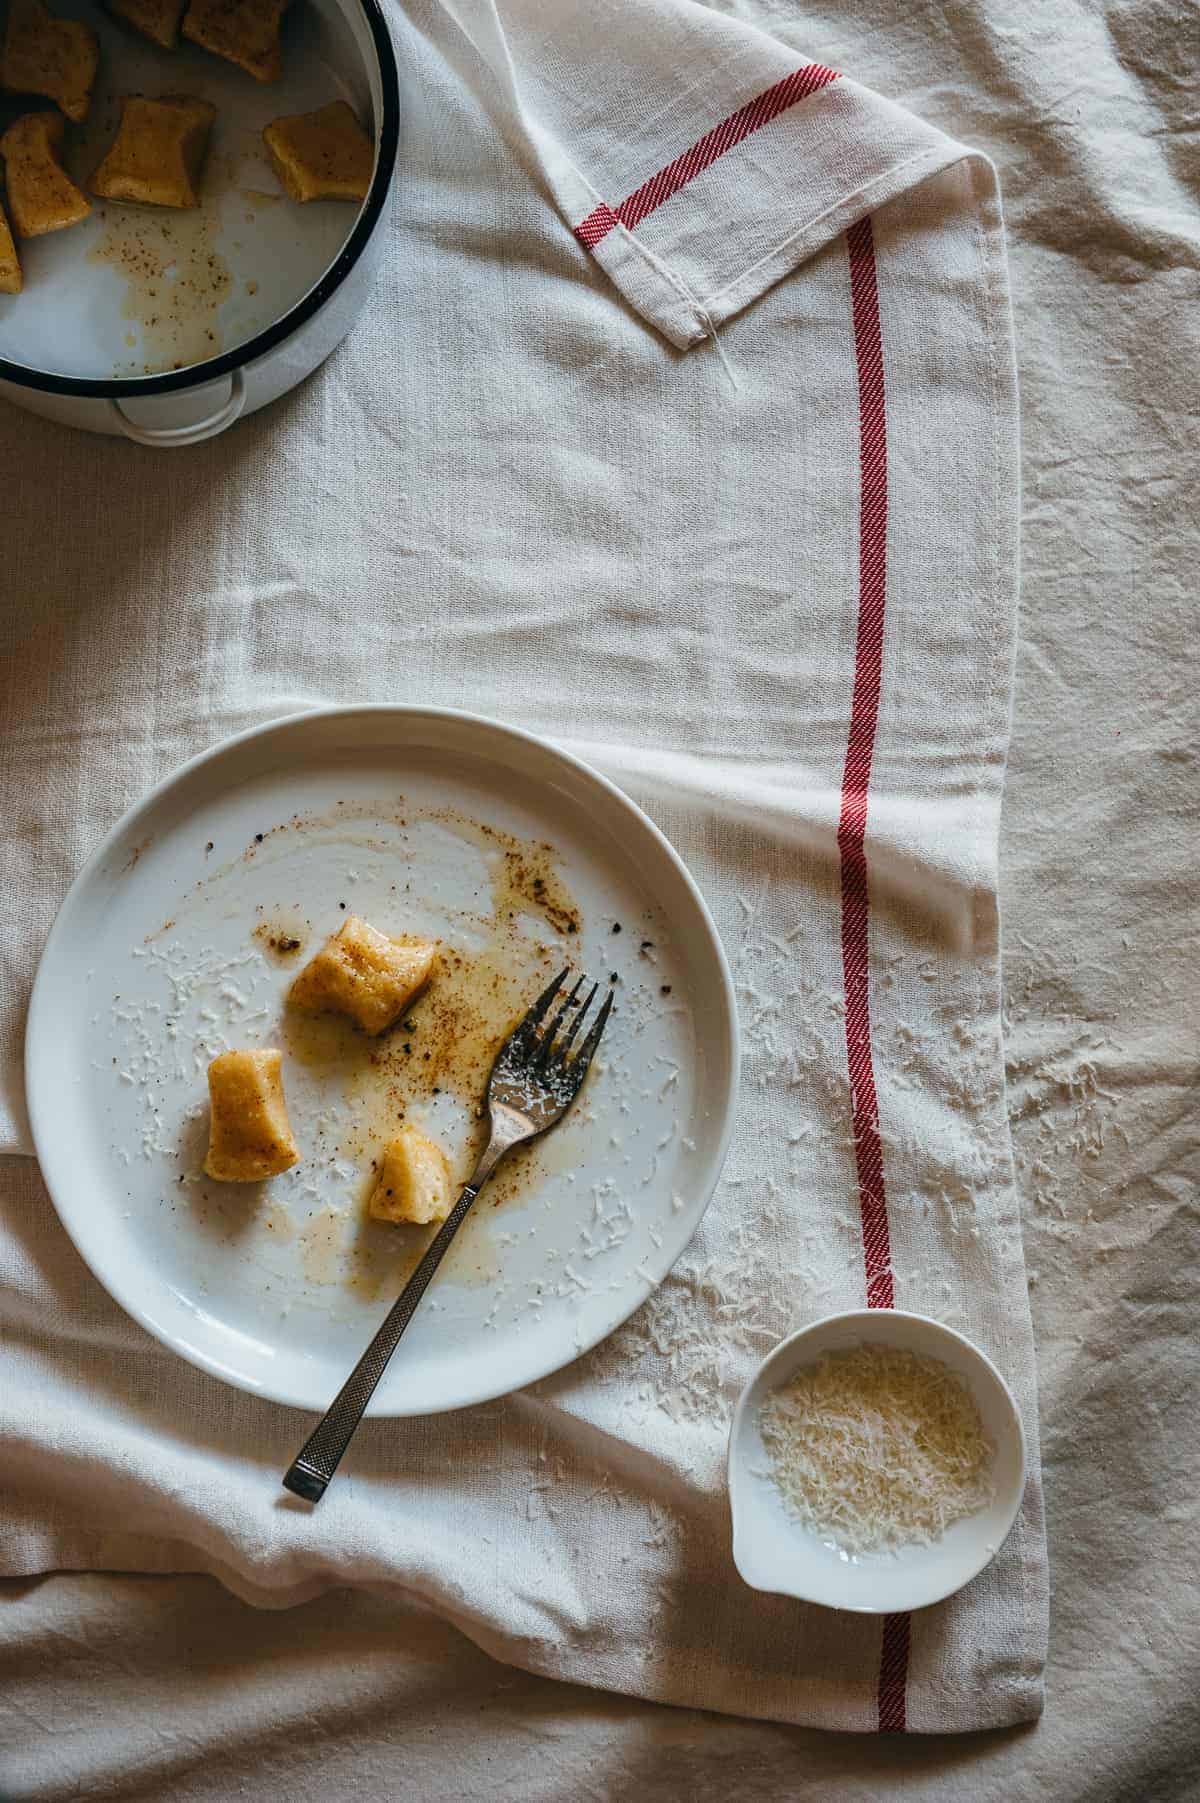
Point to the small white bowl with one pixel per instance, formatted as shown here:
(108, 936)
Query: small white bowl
(774, 1552)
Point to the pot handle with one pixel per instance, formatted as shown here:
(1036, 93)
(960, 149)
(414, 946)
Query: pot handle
(172, 436)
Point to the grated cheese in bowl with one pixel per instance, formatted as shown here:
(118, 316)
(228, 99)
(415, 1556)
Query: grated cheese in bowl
(876, 1448)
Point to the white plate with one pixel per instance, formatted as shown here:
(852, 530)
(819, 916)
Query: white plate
(154, 965)
(774, 1552)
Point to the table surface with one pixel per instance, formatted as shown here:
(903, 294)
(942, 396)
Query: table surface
(147, 1687)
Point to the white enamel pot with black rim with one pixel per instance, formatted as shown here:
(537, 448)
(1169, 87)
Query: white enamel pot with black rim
(166, 326)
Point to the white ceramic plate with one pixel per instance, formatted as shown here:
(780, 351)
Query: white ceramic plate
(774, 1552)
(417, 820)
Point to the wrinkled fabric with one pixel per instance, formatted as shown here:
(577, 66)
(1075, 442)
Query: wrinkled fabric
(1099, 1061)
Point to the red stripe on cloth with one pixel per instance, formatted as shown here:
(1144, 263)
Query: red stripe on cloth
(704, 152)
(852, 834)
(597, 225)
(860, 749)
(893, 1674)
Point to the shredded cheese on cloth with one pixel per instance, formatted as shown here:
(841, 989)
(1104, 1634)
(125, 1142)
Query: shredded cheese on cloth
(877, 1448)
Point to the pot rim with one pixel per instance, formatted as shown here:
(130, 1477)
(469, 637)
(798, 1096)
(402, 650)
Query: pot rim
(198, 375)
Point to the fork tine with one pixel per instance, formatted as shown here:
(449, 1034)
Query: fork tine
(578, 1066)
(532, 1020)
(567, 1043)
(547, 1039)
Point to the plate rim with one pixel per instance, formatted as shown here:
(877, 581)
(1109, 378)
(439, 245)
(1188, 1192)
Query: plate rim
(39, 1023)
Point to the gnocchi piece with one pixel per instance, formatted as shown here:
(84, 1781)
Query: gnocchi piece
(157, 20)
(414, 1181)
(365, 974)
(158, 152)
(250, 1136)
(245, 32)
(324, 155)
(41, 195)
(56, 58)
(10, 263)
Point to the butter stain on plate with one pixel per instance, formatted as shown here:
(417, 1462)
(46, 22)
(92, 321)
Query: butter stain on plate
(430, 1068)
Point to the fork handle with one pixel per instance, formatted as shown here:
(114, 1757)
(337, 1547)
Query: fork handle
(310, 1472)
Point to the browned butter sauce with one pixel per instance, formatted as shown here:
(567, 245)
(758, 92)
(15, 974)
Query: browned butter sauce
(444, 1043)
(175, 281)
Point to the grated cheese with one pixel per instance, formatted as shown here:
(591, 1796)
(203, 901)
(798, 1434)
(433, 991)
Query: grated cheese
(877, 1448)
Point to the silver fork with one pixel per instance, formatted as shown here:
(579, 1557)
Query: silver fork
(533, 1083)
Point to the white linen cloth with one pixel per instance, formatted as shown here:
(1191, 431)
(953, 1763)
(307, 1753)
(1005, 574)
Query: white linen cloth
(533, 506)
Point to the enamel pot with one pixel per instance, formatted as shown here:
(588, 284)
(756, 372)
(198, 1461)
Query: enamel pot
(166, 327)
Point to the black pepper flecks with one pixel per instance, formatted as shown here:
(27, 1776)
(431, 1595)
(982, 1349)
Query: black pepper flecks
(665, 990)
